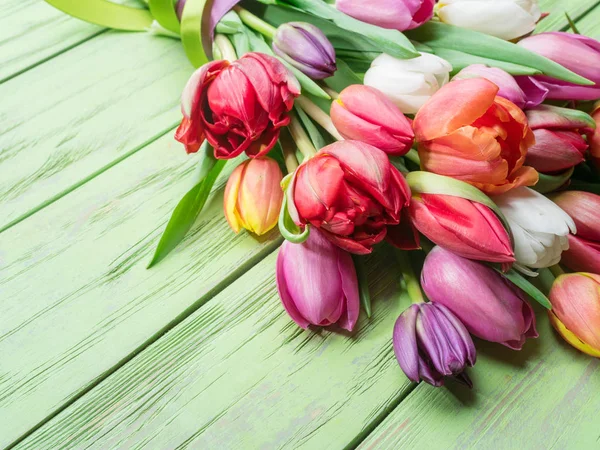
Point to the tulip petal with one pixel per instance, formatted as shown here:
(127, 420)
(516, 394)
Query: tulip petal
(584, 208)
(350, 288)
(230, 198)
(405, 343)
(583, 255)
(284, 294)
(534, 91)
(555, 151)
(571, 338)
(554, 117)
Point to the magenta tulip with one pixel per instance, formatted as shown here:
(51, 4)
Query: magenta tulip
(317, 283)
(485, 302)
(393, 14)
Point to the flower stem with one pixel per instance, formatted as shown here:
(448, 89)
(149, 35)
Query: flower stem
(225, 47)
(413, 156)
(413, 287)
(556, 270)
(319, 116)
(256, 23)
(300, 137)
(288, 147)
(333, 94)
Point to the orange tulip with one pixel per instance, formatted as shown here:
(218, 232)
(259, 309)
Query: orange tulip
(575, 313)
(253, 196)
(467, 132)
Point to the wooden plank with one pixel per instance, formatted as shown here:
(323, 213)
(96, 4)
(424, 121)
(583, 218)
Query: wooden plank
(239, 374)
(70, 118)
(589, 25)
(76, 296)
(557, 9)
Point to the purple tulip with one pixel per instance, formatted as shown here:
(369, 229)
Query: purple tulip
(306, 48)
(509, 89)
(580, 54)
(179, 8)
(317, 283)
(393, 14)
(430, 343)
(485, 302)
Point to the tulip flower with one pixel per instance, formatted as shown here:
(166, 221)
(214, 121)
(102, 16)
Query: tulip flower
(253, 196)
(351, 192)
(488, 305)
(465, 131)
(539, 227)
(365, 114)
(559, 142)
(317, 283)
(238, 107)
(505, 19)
(580, 54)
(507, 85)
(595, 138)
(392, 14)
(584, 248)
(306, 48)
(409, 83)
(430, 343)
(575, 313)
(466, 228)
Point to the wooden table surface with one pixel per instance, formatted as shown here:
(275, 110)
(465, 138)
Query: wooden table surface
(98, 352)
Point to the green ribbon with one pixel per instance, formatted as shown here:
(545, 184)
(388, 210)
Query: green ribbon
(192, 23)
(164, 13)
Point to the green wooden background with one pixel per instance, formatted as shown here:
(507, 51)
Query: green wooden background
(98, 352)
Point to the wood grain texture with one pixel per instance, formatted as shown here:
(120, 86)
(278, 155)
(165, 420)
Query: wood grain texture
(239, 374)
(556, 19)
(72, 117)
(76, 296)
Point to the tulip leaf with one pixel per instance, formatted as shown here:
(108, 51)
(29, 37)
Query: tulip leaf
(188, 208)
(106, 14)
(550, 183)
(571, 23)
(164, 13)
(342, 78)
(441, 35)
(191, 32)
(521, 282)
(460, 60)
(315, 136)
(363, 283)
(288, 229)
(577, 185)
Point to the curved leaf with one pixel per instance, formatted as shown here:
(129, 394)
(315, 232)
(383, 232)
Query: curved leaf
(164, 13)
(515, 278)
(549, 183)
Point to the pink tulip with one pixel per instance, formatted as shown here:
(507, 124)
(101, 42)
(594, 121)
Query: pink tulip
(393, 14)
(317, 283)
(485, 302)
(365, 114)
(595, 138)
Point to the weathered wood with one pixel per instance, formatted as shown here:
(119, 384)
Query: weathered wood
(239, 373)
(76, 296)
(72, 117)
(557, 9)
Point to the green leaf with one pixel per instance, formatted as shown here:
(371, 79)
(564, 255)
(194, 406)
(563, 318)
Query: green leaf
(164, 13)
(549, 183)
(288, 229)
(106, 14)
(363, 283)
(187, 210)
(230, 24)
(191, 32)
(515, 278)
(577, 185)
(342, 78)
(315, 135)
(441, 35)
(571, 23)
(460, 60)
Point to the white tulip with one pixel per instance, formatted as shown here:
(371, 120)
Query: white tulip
(505, 19)
(540, 228)
(408, 82)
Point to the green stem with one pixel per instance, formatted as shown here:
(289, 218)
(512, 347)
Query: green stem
(545, 279)
(289, 151)
(556, 270)
(333, 94)
(319, 116)
(300, 137)
(256, 23)
(413, 287)
(225, 47)
(413, 156)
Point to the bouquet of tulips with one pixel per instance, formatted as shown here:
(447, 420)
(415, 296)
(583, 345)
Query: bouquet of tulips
(445, 128)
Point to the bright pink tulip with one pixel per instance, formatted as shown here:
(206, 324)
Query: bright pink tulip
(351, 192)
(393, 14)
(595, 138)
(238, 107)
(317, 283)
(467, 228)
(489, 306)
(580, 54)
(583, 254)
(365, 114)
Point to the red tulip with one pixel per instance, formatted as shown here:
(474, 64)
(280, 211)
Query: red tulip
(467, 228)
(595, 138)
(465, 131)
(351, 192)
(238, 106)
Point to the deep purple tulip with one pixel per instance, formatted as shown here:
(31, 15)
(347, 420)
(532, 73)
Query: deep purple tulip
(306, 48)
(317, 283)
(509, 88)
(485, 302)
(577, 53)
(430, 343)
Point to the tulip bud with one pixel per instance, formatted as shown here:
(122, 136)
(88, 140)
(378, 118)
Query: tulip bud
(595, 138)
(467, 228)
(317, 283)
(559, 144)
(584, 248)
(508, 87)
(306, 48)
(580, 54)
(409, 83)
(253, 196)
(365, 114)
(392, 14)
(430, 343)
(505, 19)
(489, 306)
(575, 313)
(539, 227)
